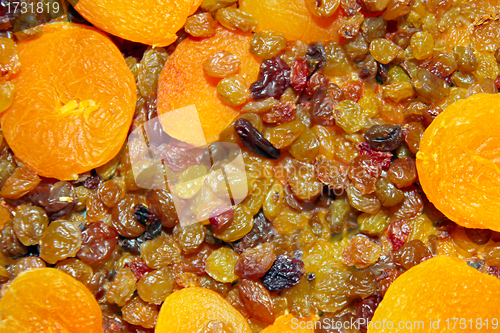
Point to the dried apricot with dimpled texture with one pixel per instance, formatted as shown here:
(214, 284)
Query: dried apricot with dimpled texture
(458, 162)
(47, 300)
(78, 117)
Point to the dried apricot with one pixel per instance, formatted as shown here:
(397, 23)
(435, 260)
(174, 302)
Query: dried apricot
(149, 22)
(183, 83)
(442, 282)
(48, 300)
(298, 23)
(458, 162)
(191, 309)
(69, 119)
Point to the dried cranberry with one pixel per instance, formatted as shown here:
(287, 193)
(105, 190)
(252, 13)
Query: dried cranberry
(281, 114)
(254, 140)
(317, 80)
(365, 310)
(274, 78)
(379, 157)
(299, 74)
(316, 56)
(398, 233)
(138, 267)
(286, 272)
(262, 231)
(221, 216)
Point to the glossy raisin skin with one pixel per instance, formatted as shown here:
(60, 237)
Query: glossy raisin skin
(286, 272)
(365, 310)
(274, 78)
(257, 300)
(384, 137)
(262, 231)
(58, 200)
(254, 263)
(98, 243)
(254, 140)
(299, 74)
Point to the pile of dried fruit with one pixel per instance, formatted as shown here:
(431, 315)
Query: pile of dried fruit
(355, 171)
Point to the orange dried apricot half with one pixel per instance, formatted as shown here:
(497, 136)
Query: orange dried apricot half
(193, 309)
(48, 300)
(443, 289)
(151, 22)
(294, 19)
(459, 162)
(290, 324)
(183, 82)
(73, 106)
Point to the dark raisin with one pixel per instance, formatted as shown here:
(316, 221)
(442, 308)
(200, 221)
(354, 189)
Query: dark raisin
(98, 243)
(323, 104)
(316, 56)
(131, 245)
(299, 74)
(254, 140)
(221, 216)
(478, 236)
(365, 310)
(382, 71)
(286, 272)
(147, 218)
(384, 137)
(311, 277)
(274, 78)
(398, 233)
(262, 232)
(92, 181)
(381, 158)
(138, 267)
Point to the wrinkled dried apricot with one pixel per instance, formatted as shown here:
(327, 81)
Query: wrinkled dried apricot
(69, 119)
(459, 162)
(191, 309)
(297, 24)
(183, 83)
(48, 300)
(434, 287)
(149, 22)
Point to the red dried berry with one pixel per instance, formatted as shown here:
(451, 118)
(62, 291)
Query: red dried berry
(298, 77)
(138, 267)
(398, 233)
(281, 114)
(221, 216)
(381, 158)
